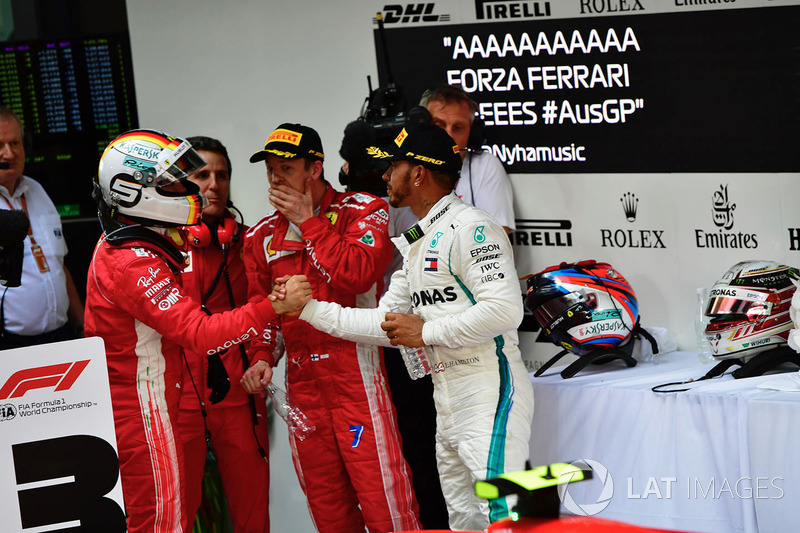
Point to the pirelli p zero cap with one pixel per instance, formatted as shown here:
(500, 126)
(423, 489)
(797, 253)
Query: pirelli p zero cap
(291, 141)
(422, 144)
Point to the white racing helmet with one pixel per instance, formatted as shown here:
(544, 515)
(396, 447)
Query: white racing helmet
(748, 309)
(143, 177)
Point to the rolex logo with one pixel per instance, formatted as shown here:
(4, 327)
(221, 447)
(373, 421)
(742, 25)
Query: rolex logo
(629, 205)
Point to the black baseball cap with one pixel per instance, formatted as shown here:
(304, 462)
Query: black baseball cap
(291, 141)
(422, 144)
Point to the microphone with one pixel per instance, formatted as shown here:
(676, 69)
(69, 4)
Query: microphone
(4, 165)
(15, 226)
(229, 205)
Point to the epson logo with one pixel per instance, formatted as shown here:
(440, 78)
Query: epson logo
(484, 249)
(506, 9)
(405, 13)
(540, 232)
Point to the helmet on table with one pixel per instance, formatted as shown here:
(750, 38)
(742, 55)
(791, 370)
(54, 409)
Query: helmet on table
(748, 309)
(143, 176)
(584, 306)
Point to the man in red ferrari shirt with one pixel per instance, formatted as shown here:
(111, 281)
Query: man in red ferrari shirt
(351, 467)
(135, 302)
(213, 403)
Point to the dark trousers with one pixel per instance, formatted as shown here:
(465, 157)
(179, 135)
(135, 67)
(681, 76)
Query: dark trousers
(10, 340)
(416, 419)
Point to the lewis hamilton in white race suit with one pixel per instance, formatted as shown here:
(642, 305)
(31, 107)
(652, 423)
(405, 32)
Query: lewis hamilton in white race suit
(459, 295)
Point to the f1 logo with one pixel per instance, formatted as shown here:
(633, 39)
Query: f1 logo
(61, 376)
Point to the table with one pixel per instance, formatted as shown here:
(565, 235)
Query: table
(720, 457)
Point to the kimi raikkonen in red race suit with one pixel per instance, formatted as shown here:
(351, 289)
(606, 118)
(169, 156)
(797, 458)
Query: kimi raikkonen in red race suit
(354, 456)
(237, 443)
(136, 303)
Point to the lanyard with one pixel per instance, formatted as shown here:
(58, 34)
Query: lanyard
(38, 253)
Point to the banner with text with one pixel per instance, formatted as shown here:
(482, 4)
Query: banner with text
(58, 451)
(681, 91)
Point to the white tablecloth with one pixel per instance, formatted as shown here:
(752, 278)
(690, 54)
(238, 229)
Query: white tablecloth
(723, 456)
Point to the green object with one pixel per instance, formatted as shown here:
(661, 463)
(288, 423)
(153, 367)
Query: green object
(537, 488)
(212, 517)
(68, 210)
(529, 480)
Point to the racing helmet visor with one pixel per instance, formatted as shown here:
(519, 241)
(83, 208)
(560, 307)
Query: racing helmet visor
(726, 305)
(177, 166)
(548, 311)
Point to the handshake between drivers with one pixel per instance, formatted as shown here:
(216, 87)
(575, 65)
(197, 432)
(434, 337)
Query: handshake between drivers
(290, 294)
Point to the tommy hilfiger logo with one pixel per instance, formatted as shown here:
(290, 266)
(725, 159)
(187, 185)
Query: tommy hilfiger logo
(630, 204)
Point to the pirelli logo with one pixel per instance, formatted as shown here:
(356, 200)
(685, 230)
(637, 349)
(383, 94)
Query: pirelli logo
(401, 137)
(286, 136)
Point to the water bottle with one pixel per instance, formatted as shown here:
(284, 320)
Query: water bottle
(294, 417)
(703, 347)
(414, 358)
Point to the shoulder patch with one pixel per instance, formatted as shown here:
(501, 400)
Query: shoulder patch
(368, 238)
(363, 198)
(141, 252)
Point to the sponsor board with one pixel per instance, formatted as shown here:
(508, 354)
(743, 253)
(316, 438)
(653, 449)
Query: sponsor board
(609, 86)
(58, 449)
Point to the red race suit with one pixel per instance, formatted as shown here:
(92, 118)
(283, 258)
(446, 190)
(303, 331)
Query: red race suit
(136, 303)
(351, 467)
(237, 443)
